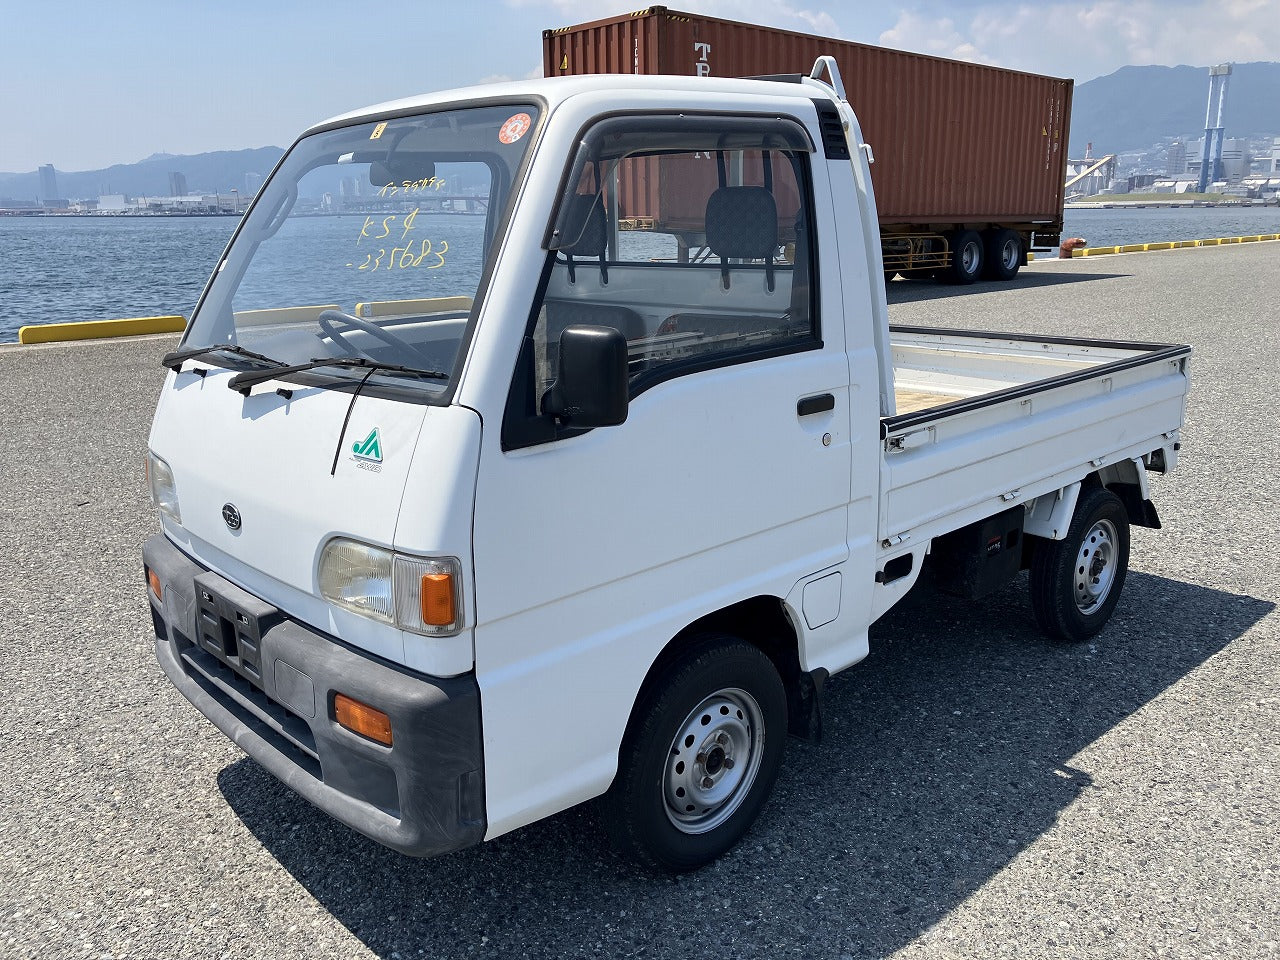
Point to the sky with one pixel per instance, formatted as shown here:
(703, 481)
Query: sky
(85, 84)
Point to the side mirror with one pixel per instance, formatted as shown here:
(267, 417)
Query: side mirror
(591, 389)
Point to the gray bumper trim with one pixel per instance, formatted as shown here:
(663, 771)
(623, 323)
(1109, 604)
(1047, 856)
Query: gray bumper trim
(423, 796)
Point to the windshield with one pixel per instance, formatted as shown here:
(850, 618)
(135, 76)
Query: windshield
(370, 241)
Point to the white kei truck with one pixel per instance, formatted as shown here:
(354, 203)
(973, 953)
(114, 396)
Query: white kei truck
(475, 507)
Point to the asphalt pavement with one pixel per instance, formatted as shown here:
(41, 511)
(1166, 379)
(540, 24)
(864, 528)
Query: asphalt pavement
(981, 792)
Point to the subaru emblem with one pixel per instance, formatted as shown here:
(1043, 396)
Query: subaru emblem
(231, 515)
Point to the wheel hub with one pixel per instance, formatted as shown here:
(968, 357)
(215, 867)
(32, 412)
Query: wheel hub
(1010, 253)
(1095, 569)
(713, 761)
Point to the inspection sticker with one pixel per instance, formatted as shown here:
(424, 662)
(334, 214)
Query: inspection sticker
(515, 128)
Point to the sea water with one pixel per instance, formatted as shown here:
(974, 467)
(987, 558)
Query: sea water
(60, 269)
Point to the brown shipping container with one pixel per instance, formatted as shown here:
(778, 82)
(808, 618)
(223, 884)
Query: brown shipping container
(954, 142)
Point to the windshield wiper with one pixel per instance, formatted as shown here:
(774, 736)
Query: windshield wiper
(175, 359)
(244, 382)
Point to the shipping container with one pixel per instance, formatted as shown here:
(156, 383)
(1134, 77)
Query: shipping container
(958, 147)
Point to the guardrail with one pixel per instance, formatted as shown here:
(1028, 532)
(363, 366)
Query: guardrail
(95, 329)
(1168, 245)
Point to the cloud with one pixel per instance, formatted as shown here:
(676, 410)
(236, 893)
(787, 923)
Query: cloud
(773, 13)
(533, 73)
(1068, 38)
(938, 37)
(1087, 39)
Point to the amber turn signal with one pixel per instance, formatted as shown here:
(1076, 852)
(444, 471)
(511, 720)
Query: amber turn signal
(154, 583)
(362, 719)
(437, 599)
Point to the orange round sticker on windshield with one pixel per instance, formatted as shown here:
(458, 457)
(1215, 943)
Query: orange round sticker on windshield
(515, 128)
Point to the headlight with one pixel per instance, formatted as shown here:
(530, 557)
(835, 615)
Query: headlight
(419, 594)
(357, 576)
(164, 492)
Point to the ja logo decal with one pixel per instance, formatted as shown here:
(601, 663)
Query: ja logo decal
(370, 448)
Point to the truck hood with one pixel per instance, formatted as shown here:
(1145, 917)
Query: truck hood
(269, 462)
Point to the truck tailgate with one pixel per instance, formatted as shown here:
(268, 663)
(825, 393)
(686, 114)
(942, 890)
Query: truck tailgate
(989, 420)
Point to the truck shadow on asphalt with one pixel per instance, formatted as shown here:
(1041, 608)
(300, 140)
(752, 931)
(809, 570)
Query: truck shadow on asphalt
(947, 753)
(917, 291)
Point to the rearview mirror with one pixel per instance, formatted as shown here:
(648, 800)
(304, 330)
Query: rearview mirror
(591, 388)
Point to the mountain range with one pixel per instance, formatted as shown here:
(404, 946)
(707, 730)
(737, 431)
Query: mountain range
(221, 171)
(1136, 107)
(1131, 109)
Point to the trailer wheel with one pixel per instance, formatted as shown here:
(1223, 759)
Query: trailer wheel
(1003, 254)
(1076, 582)
(700, 757)
(966, 257)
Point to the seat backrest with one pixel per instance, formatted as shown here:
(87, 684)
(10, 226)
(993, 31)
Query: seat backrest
(589, 229)
(742, 222)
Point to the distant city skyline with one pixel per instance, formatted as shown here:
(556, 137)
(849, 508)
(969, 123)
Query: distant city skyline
(117, 83)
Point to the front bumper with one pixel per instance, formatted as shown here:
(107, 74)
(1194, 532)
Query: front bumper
(268, 683)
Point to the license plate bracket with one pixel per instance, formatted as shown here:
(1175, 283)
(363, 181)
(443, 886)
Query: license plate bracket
(230, 623)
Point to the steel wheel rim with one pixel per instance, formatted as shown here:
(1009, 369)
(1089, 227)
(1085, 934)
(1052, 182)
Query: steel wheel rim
(1009, 254)
(1095, 569)
(713, 761)
(969, 257)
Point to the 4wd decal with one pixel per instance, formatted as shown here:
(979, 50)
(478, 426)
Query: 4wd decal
(368, 452)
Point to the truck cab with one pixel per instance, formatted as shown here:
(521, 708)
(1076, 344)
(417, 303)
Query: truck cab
(475, 506)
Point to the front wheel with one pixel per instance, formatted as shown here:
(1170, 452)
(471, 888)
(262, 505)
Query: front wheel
(700, 757)
(1076, 581)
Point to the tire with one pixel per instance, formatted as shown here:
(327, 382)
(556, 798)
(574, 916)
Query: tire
(1002, 251)
(1076, 582)
(700, 757)
(966, 257)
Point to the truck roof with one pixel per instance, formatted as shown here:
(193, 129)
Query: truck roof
(556, 90)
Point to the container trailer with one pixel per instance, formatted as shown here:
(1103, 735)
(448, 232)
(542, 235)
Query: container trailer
(969, 160)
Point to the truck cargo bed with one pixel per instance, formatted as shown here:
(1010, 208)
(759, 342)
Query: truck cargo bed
(1038, 412)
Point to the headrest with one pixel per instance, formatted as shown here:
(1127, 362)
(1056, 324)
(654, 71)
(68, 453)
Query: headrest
(742, 222)
(587, 230)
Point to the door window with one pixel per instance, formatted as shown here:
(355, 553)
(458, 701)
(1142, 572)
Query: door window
(691, 236)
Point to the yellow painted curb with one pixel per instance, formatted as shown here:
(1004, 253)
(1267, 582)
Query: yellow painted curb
(93, 329)
(1169, 245)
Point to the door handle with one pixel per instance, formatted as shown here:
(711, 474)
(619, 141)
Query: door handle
(817, 404)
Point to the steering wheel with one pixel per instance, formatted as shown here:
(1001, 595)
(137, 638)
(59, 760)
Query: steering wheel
(330, 319)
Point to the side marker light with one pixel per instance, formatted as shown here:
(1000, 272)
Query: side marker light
(362, 719)
(437, 599)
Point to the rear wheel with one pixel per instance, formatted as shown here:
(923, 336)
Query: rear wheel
(1076, 581)
(966, 257)
(700, 757)
(1003, 254)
